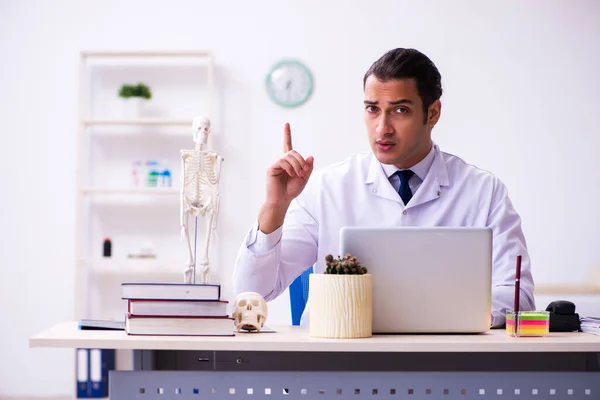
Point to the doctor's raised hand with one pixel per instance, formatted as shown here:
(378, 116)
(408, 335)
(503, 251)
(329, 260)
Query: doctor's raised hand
(286, 178)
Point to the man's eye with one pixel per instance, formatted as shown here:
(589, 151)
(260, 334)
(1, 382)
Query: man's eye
(371, 108)
(401, 110)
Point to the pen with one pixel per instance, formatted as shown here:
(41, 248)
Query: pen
(517, 293)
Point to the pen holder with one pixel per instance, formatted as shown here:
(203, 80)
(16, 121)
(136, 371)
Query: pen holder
(528, 323)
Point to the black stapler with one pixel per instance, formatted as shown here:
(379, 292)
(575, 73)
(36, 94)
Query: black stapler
(563, 317)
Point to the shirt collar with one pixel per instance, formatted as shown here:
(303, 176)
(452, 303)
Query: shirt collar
(420, 169)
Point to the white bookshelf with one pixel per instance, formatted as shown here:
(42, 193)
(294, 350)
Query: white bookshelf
(131, 192)
(137, 122)
(182, 85)
(144, 267)
(145, 54)
(107, 143)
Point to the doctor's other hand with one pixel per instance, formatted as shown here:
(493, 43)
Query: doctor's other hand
(286, 178)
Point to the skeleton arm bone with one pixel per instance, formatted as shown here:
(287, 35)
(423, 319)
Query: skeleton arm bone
(218, 165)
(182, 214)
(189, 273)
(217, 198)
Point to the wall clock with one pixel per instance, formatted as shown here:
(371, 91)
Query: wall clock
(289, 83)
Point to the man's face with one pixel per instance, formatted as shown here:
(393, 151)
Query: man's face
(395, 123)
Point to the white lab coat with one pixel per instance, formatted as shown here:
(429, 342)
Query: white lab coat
(357, 192)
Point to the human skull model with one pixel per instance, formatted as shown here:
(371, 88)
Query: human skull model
(250, 311)
(200, 130)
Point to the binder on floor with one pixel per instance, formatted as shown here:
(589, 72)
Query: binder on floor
(82, 370)
(92, 372)
(101, 361)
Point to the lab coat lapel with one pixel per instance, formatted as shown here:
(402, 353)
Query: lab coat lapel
(432, 187)
(379, 184)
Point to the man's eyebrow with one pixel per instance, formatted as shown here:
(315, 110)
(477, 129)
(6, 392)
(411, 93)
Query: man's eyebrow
(401, 101)
(393, 103)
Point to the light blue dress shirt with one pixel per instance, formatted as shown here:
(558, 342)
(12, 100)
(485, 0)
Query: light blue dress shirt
(420, 169)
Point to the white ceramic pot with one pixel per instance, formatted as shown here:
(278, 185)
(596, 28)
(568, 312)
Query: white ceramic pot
(341, 306)
(133, 107)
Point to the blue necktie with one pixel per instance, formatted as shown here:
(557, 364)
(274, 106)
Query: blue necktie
(404, 191)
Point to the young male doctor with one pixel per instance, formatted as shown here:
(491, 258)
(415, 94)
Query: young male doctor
(405, 180)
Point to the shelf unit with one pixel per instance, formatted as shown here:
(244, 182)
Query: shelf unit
(100, 74)
(144, 269)
(138, 122)
(107, 143)
(135, 191)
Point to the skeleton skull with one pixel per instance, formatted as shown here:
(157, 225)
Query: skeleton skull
(250, 311)
(200, 130)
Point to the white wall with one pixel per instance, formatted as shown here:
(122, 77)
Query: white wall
(521, 99)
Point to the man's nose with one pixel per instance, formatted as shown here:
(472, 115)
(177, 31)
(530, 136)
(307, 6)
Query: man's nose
(383, 125)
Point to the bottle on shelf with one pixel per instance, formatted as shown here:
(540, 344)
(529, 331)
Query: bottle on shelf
(165, 175)
(107, 248)
(153, 173)
(137, 173)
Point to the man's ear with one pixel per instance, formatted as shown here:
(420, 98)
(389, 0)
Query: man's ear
(433, 113)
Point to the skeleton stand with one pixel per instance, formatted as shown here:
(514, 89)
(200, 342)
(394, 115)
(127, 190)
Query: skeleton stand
(200, 174)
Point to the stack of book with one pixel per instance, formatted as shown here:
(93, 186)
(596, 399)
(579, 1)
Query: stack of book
(176, 309)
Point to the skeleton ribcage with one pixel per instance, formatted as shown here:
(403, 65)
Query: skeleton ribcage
(200, 178)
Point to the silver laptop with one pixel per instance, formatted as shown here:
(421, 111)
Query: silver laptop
(426, 279)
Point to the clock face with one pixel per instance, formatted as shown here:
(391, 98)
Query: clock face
(289, 83)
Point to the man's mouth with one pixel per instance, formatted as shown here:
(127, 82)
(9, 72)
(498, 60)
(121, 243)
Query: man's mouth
(385, 145)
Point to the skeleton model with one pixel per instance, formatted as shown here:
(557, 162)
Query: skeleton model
(200, 174)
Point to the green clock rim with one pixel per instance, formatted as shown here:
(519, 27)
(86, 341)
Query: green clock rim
(290, 61)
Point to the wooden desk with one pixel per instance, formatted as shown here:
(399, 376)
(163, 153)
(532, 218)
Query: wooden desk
(289, 363)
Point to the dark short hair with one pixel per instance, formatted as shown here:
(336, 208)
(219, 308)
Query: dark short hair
(403, 63)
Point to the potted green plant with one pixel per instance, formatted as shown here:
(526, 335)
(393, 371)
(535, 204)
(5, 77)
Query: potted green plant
(134, 97)
(341, 299)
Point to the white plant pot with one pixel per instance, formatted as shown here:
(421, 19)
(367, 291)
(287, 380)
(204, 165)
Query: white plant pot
(133, 107)
(341, 306)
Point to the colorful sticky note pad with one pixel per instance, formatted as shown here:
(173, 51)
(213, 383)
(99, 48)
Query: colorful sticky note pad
(530, 323)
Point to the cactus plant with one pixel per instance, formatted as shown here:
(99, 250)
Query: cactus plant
(347, 265)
